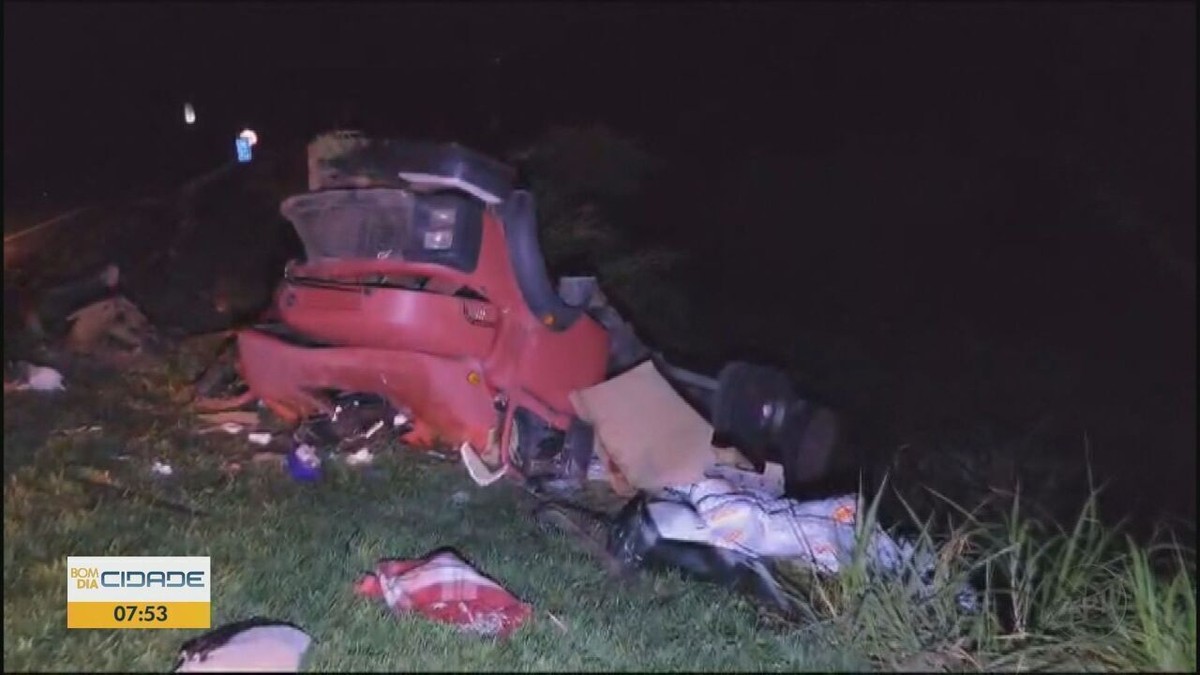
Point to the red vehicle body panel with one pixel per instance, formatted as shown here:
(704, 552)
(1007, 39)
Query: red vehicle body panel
(442, 358)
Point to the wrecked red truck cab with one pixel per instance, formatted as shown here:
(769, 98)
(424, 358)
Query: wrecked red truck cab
(423, 283)
(423, 287)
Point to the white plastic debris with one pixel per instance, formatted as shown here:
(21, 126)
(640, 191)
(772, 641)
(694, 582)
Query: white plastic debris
(360, 457)
(259, 438)
(161, 468)
(82, 429)
(822, 533)
(477, 469)
(714, 512)
(232, 428)
(308, 455)
(769, 482)
(42, 378)
(399, 420)
(597, 471)
(374, 428)
(266, 647)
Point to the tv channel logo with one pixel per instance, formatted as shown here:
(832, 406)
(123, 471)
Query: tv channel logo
(139, 592)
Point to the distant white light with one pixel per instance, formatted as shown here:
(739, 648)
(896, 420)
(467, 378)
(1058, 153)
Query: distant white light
(189, 114)
(250, 136)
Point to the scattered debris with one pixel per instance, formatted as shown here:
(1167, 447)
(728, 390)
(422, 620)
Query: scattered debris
(259, 437)
(715, 513)
(445, 588)
(87, 316)
(232, 422)
(477, 469)
(358, 416)
(48, 308)
(460, 498)
(770, 481)
(716, 532)
(440, 455)
(558, 623)
(732, 457)
(375, 427)
(81, 429)
(37, 378)
(113, 324)
(360, 457)
(597, 470)
(304, 463)
(244, 417)
(347, 431)
(254, 645)
(161, 468)
(218, 375)
(216, 404)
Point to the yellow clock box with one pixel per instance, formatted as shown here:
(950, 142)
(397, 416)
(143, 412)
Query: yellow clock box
(139, 592)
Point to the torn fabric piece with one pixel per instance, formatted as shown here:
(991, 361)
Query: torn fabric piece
(445, 588)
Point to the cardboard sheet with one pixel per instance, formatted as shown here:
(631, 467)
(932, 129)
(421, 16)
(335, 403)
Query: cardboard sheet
(646, 431)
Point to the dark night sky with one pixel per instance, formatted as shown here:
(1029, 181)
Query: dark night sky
(946, 145)
(832, 106)
(705, 79)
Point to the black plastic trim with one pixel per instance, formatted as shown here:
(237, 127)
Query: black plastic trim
(520, 231)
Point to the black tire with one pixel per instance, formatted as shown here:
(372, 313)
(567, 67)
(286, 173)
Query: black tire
(808, 454)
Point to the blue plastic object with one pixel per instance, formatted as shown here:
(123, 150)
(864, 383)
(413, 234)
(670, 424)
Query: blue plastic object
(301, 469)
(243, 149)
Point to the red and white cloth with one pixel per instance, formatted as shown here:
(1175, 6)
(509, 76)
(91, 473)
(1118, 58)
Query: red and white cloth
(443, 587)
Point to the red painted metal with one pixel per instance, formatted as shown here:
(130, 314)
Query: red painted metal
(441, 357)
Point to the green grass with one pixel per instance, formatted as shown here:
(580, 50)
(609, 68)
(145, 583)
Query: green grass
(1082, 597)
(292, 551)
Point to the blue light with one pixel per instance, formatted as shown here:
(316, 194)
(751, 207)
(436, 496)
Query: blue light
(243, 149)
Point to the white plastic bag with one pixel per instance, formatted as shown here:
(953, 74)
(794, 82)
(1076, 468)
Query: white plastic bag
(251, 646)
(42, 378)
(821, 532)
